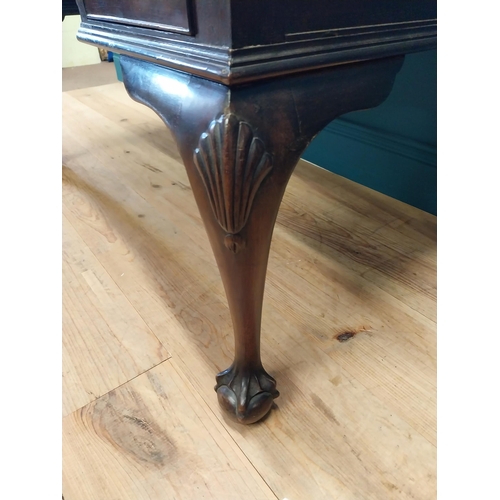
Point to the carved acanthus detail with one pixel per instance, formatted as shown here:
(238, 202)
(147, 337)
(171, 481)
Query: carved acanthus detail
(232, 163)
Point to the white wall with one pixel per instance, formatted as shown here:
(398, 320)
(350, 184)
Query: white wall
(75, 53)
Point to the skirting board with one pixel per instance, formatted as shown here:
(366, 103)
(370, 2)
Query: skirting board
(397, 166)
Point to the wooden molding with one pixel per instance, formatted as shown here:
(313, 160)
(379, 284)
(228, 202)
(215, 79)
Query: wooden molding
(230, 66)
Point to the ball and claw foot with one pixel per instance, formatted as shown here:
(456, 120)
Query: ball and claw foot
(246, 395)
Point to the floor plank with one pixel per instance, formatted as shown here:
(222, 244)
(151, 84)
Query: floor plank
(355, 419)
(105, 341)
(151, 438)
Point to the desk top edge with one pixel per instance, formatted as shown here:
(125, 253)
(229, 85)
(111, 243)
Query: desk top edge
(229, 67)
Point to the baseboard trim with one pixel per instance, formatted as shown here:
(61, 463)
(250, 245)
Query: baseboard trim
(396, 166)
(402, 146)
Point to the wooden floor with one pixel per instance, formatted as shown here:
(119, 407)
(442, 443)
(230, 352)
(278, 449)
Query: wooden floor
(146, 327)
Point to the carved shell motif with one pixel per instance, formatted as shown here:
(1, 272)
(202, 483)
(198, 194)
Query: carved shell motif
(232, 164)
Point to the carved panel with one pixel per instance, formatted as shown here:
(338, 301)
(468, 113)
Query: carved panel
(167, 15)
(232, 163)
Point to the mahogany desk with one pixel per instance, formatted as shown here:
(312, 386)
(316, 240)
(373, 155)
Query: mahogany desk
(244, 86)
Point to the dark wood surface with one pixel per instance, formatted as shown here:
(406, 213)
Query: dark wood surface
(174, 15)
(247, 104)
(240, 146)
(236, 41)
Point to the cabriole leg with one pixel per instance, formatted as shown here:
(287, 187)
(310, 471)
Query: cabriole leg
(239, 146)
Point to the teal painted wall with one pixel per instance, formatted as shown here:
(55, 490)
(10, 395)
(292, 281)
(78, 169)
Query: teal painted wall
(118, 67)
(391, 148)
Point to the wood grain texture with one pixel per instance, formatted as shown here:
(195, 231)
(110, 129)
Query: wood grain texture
(105, 342)
(355, 419)
(153, 439)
